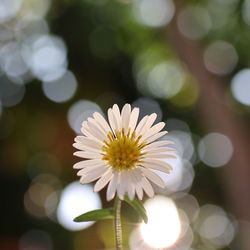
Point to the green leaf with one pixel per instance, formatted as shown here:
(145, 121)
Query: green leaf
(95, 215)
(139, 208)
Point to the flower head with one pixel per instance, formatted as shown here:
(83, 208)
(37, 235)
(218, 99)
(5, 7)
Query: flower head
(121, 153)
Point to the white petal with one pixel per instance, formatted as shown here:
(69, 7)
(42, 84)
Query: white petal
(131, 186)
(86, 163)
(133, 119)
(136, 177)
(140, 125)
(147, 187)
(94, 124)
(88, 155)
(93, 175)
(155, 161)
(103, 181)
(112, 187)
(102, 122)
(155, 137)
(139, 191)
(158, 144)
(158, 150)
(151, 119)
(117, 116)
(94, 130)
(160, 155)
(112, 121)
(153, 130)
(153, 177)
(86, 131)
(90, 169)
(88, 142)
(125, 114)
(81, 146)
(121, 187)
(157, 165)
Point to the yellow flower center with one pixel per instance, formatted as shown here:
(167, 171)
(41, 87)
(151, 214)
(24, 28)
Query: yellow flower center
(122, 151)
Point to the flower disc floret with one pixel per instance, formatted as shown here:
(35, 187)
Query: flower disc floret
(122, 151)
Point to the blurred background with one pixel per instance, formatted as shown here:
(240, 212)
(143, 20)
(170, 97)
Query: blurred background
(188, 61)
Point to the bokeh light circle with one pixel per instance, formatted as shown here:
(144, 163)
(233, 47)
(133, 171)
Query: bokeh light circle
(240, 86)
(77, 199)
(46, 56)
(61, 89)
(165, 79)
(194, 22)
(164, 227)
(220, 57)
(215, 149)
(35, 9)
(81, 111)
(148, 106)
(214, 226)
(11, 94)
(246, 11)
(155, 13)
(8, 9)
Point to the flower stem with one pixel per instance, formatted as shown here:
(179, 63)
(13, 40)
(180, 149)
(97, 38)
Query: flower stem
(118, 226)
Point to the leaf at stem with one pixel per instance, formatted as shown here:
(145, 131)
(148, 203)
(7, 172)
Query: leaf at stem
(139, 208)
(95, 215)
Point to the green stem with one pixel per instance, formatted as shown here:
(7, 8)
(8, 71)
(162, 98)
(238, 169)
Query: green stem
(118, 226)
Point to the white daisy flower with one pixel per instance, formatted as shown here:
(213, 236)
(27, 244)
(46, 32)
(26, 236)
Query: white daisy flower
(122, 153)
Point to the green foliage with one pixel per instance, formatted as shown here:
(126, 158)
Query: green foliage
(139, 208)
(95, 215)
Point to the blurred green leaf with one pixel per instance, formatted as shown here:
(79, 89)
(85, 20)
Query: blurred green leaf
(95, 215)
(139, 208)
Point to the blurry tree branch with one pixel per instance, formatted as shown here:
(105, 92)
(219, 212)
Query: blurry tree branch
(217, 115)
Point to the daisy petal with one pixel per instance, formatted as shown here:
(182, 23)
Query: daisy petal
(86, 170)
(126, 110)
(112, 187)
(140, 125)
(95, 127)
(153, 177)
(102, 122)
(139, 191)
(158, 144)
(86, 163)
(85, 130)
(112, 121)
(155, 137)
(81, 146)
(147, 187)
(155, 161)
(153, 130)
(131, 186)
(117, 116)
(88, 142)
(160, 155)
(158, 150)
(133, 119)
(103, 181)
(151, 119)
(136, 178)
(92, 175)
(94, 130)
(88, 155)
(122, 184)
(157, 165)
